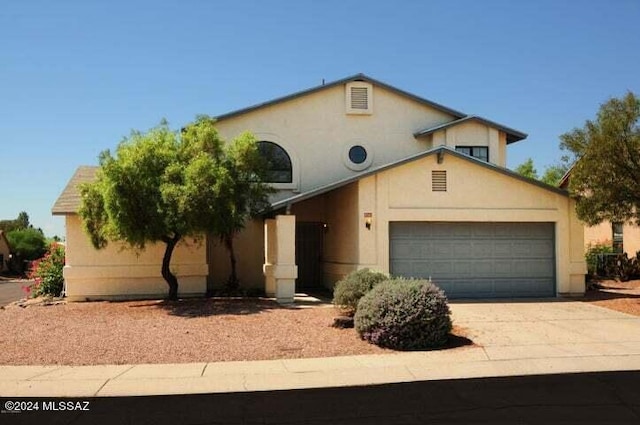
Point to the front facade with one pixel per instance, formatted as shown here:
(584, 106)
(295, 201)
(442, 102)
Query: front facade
(370, 176)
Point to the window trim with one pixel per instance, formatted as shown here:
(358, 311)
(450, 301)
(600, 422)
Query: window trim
(472, 147)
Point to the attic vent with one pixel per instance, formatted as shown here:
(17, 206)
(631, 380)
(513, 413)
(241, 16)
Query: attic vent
(359, 98)
(438, 181)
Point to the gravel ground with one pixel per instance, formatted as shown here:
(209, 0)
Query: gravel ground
(619, 296)
(203, 330)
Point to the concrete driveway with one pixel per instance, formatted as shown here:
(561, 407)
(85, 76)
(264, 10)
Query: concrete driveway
(550, 329)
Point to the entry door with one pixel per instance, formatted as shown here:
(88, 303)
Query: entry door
(309, 242)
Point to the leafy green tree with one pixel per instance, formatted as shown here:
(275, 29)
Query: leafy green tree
(605, 178)
(554, 173)
(163, 186)
(527, 169)
(22, 222)
(28, 244)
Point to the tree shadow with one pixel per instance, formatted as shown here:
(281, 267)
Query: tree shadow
(207, 307)
(608, 293)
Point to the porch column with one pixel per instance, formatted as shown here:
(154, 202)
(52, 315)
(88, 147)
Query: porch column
(279, 267)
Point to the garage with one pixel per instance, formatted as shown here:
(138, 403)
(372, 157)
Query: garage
(477, 259)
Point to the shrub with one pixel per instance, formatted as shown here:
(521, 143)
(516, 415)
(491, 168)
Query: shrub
(594, 256)
(47, 273)
(623, 268)
(354, 286)
(27, 244)
(404, 314)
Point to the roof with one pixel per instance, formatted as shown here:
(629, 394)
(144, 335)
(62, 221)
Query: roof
(445, 149)
(69, 200)
(564, 181)
(357, 77)
(4, 237)
(512, 134)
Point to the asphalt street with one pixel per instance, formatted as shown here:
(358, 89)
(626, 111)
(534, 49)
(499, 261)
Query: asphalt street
(10, 291)
(585, 398)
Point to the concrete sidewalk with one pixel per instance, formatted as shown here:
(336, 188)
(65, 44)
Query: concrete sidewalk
(513, 339)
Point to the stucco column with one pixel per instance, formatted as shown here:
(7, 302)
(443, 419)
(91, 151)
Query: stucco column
(280, 268)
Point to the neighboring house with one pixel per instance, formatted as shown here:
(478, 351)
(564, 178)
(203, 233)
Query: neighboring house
(5, 252)
(623, 237)
(367, 176)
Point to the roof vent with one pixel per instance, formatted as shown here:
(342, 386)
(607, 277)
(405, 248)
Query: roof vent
(359, 98)
(438, 181)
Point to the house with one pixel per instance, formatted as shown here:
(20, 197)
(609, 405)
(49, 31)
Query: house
(367, 176)
(623, 237)
(5, 252)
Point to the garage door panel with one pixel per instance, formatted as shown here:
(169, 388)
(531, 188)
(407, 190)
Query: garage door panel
(477, 259)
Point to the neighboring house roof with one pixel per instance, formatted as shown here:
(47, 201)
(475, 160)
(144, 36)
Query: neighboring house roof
(69, 200)
(564, 181)
(6, 241)
(512, 134)
(357, 77)
(444, 149)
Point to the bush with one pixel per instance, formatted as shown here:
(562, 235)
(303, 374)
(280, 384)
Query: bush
(623, 268)
(404, 314)
(594, 252)
(27, 244)
(354, 286)
(47, 273)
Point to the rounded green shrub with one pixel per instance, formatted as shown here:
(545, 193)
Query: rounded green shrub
(349, 290)
(404, 314)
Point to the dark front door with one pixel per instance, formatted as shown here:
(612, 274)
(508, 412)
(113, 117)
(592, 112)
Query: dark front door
(309, 241)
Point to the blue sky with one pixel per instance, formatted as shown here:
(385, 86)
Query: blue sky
(77, 76)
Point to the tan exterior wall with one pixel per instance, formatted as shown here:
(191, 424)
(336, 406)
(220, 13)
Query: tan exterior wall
(249, 251)
(317, 132)
(603, 233)
(474, 193)
(119, 273)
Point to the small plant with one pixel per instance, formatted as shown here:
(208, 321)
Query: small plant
(354, 286)
(47, 273)
(404, 314)
(624, 268)
(594, 256)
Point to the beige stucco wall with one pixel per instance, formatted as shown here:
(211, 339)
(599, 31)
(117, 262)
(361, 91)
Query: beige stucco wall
(474, 193)
(117, 273)
(316, 131)
(603, 233)
(249, 252)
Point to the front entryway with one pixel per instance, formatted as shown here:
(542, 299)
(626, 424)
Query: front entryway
(477, 260)
(309, 245)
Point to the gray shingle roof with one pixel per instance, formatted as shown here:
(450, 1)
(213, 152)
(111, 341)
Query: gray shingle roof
(69, 200)
(512, 134)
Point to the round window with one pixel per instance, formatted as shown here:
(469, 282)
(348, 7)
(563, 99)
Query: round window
(357, 154)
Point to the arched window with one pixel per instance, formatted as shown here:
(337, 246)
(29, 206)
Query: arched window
(279, 162)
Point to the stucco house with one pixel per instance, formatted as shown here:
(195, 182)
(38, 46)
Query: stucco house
(5, 251)
(368, 176)
(623, 237)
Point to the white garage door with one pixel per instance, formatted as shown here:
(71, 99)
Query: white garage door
(477, 260)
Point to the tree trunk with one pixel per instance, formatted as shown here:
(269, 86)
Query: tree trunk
(232, 283)
(171, 280)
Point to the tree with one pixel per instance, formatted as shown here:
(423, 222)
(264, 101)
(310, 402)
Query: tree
(527, 169)
(22, 222)
(605, 178)
(28, 244)
(163, 186)
(554, 173)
